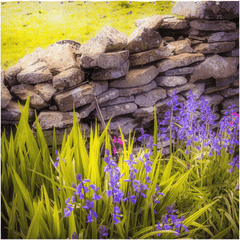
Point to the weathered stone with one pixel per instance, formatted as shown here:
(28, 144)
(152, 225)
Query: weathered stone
(49, 119)
(197, 90)
(175, 23)
(225, 81)
(107, 40)
(35, 74)
(215, 89)
(150, 56)
(86, 110)
(143, 39)
(74, 44)
(136, 77)
(117, 101)
(217, 47)
(110, 94)
(218, 25)
(183, 46)
(170, 81)
(168, 39)
(179, 71)
(53, 108)
(216, 67)
(5, 96)
(11, 75)
(180, 38)
(230, 92)
(207, 9)
(99, 87)
(145, 114)
(2, 76)
(153, 22)
(148, 99)
(222, 37)
(112, 73)
(194, 42)
(213, 99)
(11, 114)
(78, 97)
(180, 60)
(124, 92)
(230, 101)
(233, 53)
(197, 38)
(59, 58)
(104, 60)
(182, 88)
(190, 31)
(112, 111)
(68, 78)
(139, 22)
(45, 91)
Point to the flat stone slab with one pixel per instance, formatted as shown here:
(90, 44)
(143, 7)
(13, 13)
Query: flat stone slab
(112, 73)
(143, 39)
(104, 60)
(99, 87)
(139, 22)
(175, 23)
(170, 81)
(230, 92)
(11, 75)
(180, 60)
(145, 114)
(35, 74)
(181, 88)
(197, 90)
(150, 56)
(217, 47)
(217, 25)
(222, 37)
(230, 101)
(182, 46)
(213, 99)
(78, 97)
(233, 53)
(124, 92)
(6, 97)
(216, 67)
(68, 78)
(215, 89)
(51, 119)
(85, 110)
(136, 77)
(229, 80)
(113, 111)
(153, 22)
(45, 91)
(117, 101)
(179, 71)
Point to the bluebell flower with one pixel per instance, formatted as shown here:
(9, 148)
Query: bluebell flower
(89, 205)
(234, 163)
(74, 235)
(143, 136)
(103, 232)
(116, 211)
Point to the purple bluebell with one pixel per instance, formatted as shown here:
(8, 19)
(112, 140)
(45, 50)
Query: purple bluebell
(234, 163)
(103, 231)
(74, 235)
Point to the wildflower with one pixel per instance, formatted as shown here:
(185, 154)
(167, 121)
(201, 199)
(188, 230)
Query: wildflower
(236, 116)
(116, 211)
(102, 231)
(74, 235)
(234, 163)
(57, 159)
(143, 136)
(89, 205)
(68, 209)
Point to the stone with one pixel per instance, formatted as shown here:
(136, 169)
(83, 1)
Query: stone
(197, 90)
(224, 111)
(170, 81)
(2, 76)
(217, 25)
(197, 38)
(175, 23)
(121, 109)
(180, 60)
(76, 97)
(190, 31)
(168, 39)
(50, 119)
(59, 58)
(150, 56)
(107, 40)
(230, 101)
(104, 60)
(53, 108)
(112, 73)
(117, 101)
(207, 9)
(45, 91)
(146, 115)
(213, 99)
(230, 92)
(215, 66)
(34, 74)
(74, 44)
(194, 42)
(184, 87)
(5, 96)
(99, 87)
(217, 47)
(136, 77)
(11, 114)
(11, 75)
(139, 22)
(233, 53)
(143, 39)
(111, 93)
(222, 37)
(153, 22)
(183, 46)
(215, 89)
(85, 110)
(124, 92)
(68, 78)
(179, 71)
(148, 99)
(225, 81)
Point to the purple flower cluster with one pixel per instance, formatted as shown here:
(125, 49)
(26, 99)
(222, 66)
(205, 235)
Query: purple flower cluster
(234, 163)
(171, 222)
(102, 231)
(57, 159)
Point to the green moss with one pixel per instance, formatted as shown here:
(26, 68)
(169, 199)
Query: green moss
(29, 25)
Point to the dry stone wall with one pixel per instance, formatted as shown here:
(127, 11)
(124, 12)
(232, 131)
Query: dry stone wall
(128, 76)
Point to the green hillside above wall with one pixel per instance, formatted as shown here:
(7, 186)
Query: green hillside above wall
(28, 25)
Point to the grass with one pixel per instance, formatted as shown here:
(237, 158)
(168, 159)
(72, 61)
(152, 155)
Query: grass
(31, 24)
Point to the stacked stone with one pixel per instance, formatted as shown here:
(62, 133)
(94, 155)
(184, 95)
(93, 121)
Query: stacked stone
(128, 76)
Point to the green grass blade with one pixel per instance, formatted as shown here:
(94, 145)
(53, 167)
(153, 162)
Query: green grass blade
(222, 233)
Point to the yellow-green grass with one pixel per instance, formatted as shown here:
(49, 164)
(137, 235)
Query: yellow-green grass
(28, 25)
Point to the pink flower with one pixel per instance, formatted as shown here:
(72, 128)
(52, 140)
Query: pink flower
(114, 150)
(119, 140)
(235, 115)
